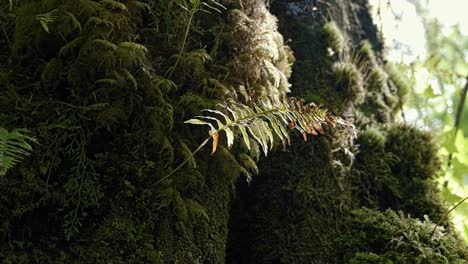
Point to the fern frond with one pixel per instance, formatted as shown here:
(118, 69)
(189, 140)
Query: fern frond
(112, 4)
(139, 5)
(76, 24)
(71, 46)
(265, 119)
(104, 44)
(14, 147)
(47, 18)
(96, 21)
(131, 54)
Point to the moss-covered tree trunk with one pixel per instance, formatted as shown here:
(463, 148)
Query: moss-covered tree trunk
(106, 85)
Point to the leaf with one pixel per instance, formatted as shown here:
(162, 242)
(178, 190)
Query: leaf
(195, 121)
(230, 137)
(265, 118)
(245, 136)
(215, 137)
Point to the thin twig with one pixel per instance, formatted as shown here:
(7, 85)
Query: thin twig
(447, 214)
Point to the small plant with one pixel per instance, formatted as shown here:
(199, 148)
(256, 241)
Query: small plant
(14, 147)
(197, 5)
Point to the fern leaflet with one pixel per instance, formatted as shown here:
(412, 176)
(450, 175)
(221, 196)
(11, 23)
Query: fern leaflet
(14, 147)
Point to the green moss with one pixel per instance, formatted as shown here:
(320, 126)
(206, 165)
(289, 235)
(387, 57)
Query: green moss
(335, 37)
(399, 80)
(374, 185)
(390, 173)
(377, 80)
(369, 258)
(292, 223)
(376, 108)
(366, 54)
(417, 170)
(102, 92)
(348, 82)
(377, 237)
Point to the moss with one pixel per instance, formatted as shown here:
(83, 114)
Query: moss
(417, 170)
(399, 80)
(348, 82)
(366, 54)
(377, 237)
(299, 220)
(377, 80)
(335, 37)
(376, 108)
(368, 258)
(374, 185)
(390, 173)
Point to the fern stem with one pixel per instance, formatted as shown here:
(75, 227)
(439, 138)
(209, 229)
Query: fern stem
(184, 41)
(183, 163)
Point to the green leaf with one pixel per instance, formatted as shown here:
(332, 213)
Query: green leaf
(14, 147)
(429, 92)
(195, 121)
(245, 136)
(230, 136)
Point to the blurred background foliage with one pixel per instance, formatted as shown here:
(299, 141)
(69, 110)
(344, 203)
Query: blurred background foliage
(428, 39)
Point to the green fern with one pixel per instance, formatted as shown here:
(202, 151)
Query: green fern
(47, 18)
(265, 118)
(14, 147)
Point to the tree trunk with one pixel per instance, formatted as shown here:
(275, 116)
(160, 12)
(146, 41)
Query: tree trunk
(105, 88)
